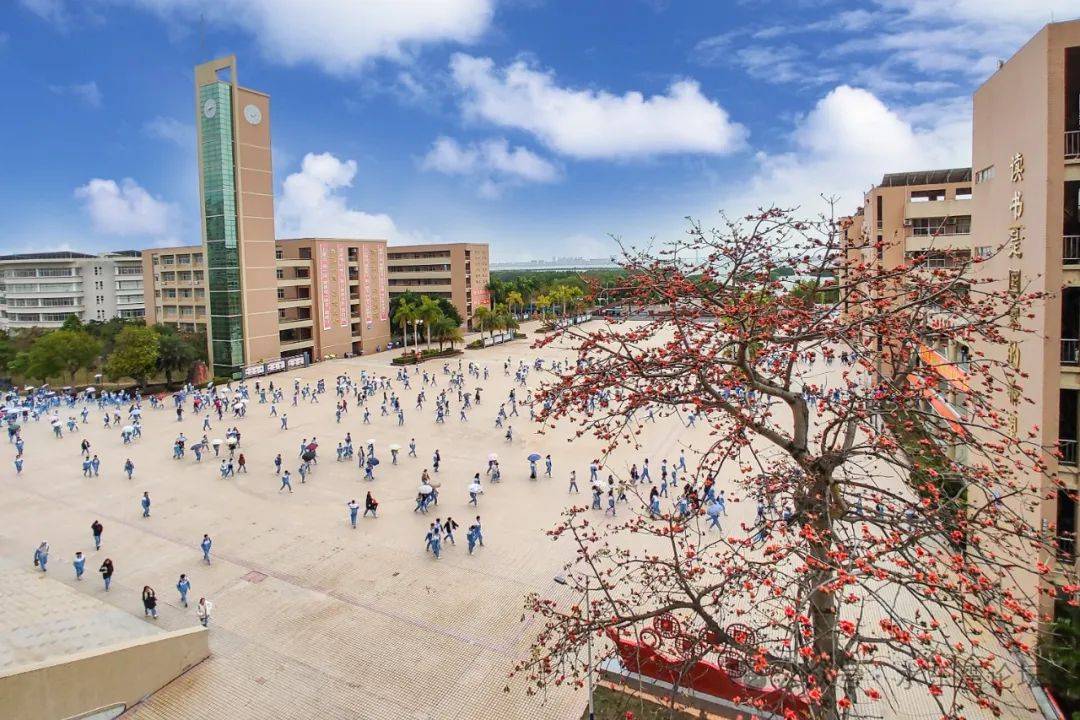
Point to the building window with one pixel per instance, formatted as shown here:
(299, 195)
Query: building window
(279, 254)
(963, 193)
(281, 293)
(984, 175)
(280, 274)
(305, 253)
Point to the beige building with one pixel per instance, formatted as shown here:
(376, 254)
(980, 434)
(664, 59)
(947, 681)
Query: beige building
(332, 297)
(174, 284)
(1026, 161)
(455, 271)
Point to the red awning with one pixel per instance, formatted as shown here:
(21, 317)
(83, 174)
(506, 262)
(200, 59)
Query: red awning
(947, 370)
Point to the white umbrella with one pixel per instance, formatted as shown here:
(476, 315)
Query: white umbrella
(90, 389)
(371, 441)
(129, 429)
(426, 489)
(475, 488)
(394, 446)
(493, 457)
(216, 441)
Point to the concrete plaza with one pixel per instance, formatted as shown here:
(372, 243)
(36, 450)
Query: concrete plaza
(311, 618)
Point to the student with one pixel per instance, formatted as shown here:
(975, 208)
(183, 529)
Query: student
(285, 482)
(79, 563)
(145, 502)
(129, 467)
(354, 508)
(183, 585)
(371, 505)
(205, 545)
(106, 571)
(149, 601)
(96, 527)
(41, 556)
(202, 611)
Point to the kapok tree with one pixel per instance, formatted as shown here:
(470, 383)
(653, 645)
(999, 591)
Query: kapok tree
(897, 553)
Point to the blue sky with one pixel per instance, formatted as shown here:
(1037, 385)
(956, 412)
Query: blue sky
(538, 126)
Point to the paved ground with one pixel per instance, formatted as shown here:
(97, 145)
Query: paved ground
(314, 619)
(46, 620)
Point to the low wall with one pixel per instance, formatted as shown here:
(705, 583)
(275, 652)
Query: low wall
(100, 681)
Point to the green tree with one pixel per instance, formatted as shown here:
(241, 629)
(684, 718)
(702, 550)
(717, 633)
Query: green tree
(135, 354)
(429, 312)
(72, 322)
(482, 319)
(175, 352)
(58, 351)
(1059, 664)
(450, 310)
(446, 330)
(404, 314)
(514, 299)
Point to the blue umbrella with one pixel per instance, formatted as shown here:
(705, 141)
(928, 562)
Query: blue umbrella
(534, 457)
(373, 461)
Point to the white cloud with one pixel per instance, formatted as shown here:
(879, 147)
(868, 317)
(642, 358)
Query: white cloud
(846, 143)
(311, 203)
(51, 11)
(493, 161)
(338, 35)
(170, 129)
(87, 92)
(125, 208)
(595, 124)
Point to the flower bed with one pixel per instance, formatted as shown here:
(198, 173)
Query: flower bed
(414, 358)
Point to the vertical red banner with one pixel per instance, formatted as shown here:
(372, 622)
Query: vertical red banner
(383, 288)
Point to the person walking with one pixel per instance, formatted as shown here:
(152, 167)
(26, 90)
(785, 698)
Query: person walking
(573, 482)
(547, 465)
(202, 611)
(183, 585)
(354, 508)
(277, 464)
(41, 556)
(149, 601)
(448, 530)
(241, 464)
(285, 482)
(205, 545)
(106, 571)
(96, 528)
(145, 502)
(79, 563)
(129, 467)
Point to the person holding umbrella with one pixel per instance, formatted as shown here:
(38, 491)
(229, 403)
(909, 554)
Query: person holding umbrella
(369, 467)
(393, 453)
(532, 465)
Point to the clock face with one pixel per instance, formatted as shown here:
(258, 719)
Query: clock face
(209, 108)
(252, 114)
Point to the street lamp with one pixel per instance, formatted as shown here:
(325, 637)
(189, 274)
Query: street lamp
(562, 580)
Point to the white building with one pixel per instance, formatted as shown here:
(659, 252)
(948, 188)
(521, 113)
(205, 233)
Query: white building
(43, 289)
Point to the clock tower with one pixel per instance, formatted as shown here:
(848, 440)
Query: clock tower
(236, 192)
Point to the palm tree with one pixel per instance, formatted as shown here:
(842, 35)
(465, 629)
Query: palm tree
(446, 330)
(482, 317)
(543, 302)
(514, 299)
(429, 312)
(405, 314)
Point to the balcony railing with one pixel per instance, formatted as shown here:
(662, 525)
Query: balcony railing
(1070, 252)
(1070, 351)
(1072, 144)
(1068, 451)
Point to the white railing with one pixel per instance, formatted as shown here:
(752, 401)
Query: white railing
(1070, 351)
(1072, 144)
(1070, 251)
